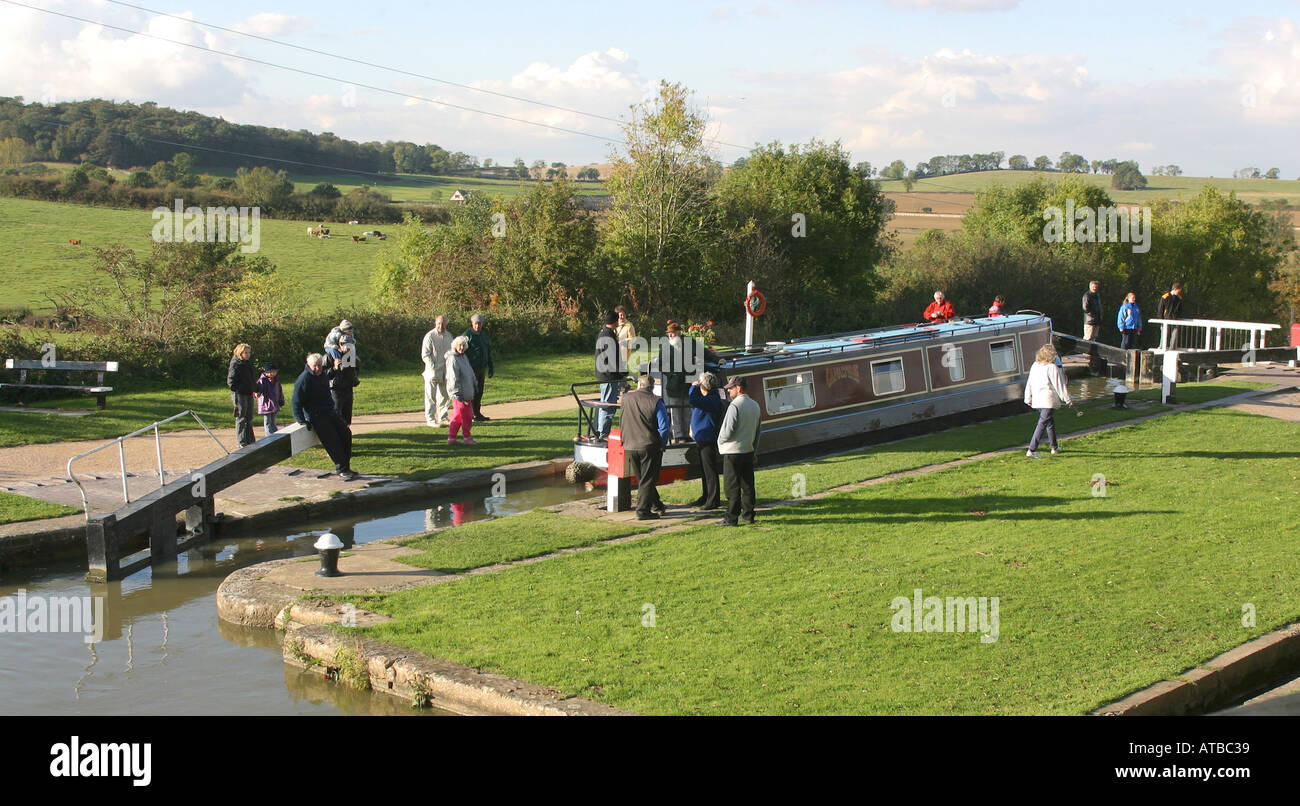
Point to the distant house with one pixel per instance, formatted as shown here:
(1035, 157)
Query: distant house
(460, 196)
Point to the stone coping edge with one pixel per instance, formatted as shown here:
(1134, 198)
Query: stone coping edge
(428, 681)
(1217, 682)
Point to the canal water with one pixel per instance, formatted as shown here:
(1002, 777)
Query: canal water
(164, 651)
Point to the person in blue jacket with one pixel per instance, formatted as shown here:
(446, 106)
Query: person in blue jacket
(1129, 322)
(707, 406)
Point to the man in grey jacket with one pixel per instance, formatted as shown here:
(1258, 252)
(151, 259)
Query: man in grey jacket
(738, 444)
(434, 349)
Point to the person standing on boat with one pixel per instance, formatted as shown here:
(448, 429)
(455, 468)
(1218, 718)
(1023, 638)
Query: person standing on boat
(1092, 312)
(434, 349)
(610, 370)
(678, 356)
(706, 419)
(738, 444)
(996, 308)
(1129, 322)
(644, 421)
(940, 310)
(1045, 390)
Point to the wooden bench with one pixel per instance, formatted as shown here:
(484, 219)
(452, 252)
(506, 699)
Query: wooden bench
(99, 391)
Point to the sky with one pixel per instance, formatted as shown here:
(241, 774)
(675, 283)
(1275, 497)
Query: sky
(1210, 87)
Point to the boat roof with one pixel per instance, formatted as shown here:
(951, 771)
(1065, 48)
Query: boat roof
(875, 337)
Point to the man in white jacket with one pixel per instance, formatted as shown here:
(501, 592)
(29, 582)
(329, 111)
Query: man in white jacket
(437, 343)
(1045, 390)
(738, 445)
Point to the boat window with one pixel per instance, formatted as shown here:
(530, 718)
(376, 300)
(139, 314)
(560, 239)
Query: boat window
(1003, 354)
(955, 361)
(887, 376)
(789, 393)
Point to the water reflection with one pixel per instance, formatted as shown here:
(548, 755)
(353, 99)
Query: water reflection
(164, 651)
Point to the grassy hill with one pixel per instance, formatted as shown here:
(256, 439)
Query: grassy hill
(41, 263)
(1171, 187)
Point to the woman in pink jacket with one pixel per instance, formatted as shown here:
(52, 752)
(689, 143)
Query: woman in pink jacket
(1045, 390)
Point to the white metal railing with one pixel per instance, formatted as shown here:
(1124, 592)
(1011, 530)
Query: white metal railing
(1244, 336)
(121, 456)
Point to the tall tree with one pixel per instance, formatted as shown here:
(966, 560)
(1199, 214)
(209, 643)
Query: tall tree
(662, 222)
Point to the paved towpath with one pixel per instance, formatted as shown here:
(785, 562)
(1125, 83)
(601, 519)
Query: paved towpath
(185, 450)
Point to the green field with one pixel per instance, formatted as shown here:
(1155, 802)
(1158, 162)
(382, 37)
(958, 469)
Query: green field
(1171, 187)
(1098, 596)
(42, 264)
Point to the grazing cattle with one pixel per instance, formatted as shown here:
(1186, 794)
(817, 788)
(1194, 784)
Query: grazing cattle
(358, 239)
(75, 242)
(318, 232)
(354, 222)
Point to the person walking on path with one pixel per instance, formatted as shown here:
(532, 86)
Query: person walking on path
(610, 371)
(940, 310)
(270, 396)
(1171, 307)
(434, 349)
(1092, 312)
(626, 333)
(645, 425)
(240, 378)
(706, 419)
(332, 340)
(461, 383)
(1045, 390)
(480, 359)
(343, 377)
(313, 406)
(1129, 322)
(738, 444)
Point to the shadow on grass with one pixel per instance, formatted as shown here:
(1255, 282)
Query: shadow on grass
(841, 509)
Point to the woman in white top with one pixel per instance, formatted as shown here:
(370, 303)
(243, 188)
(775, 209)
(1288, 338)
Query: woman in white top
(1045, 390)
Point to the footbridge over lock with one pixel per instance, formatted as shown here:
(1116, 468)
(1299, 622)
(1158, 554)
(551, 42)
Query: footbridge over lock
(151, 524)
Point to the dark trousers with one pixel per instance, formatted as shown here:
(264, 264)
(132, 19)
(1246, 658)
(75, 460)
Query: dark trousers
(1046, 422)
(1129, 341)
(335, 437)
(244, 411)
(647, 464)
(343, 403)
(710, 468)
(480, 375)
(738, 471)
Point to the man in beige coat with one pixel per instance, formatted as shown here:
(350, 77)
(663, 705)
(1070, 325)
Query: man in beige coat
(437, 343)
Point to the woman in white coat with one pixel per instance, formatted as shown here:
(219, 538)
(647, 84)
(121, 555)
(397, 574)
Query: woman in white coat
(1045, 390)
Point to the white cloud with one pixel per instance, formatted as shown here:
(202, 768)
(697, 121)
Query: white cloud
(957, 5)
(1138, 145)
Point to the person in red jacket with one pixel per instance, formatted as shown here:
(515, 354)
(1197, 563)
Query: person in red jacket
(940, 310)
(996, 308)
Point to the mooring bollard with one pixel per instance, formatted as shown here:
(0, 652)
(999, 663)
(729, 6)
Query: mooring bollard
(329, 545)
(1121, 392)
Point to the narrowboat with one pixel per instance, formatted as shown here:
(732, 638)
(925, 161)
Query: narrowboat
(845, 390)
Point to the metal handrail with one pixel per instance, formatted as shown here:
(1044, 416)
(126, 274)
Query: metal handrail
(121, 455)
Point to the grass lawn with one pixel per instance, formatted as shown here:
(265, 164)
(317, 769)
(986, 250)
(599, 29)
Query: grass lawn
(382, 391)
(956, 443)
(15, 508)
(517, 537)
(1098, 596)
(47, 265)
(423, 453)
(1158, 187)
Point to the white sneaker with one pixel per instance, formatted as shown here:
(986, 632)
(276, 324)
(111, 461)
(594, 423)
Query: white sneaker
(1055, 451)
(1031, 454)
